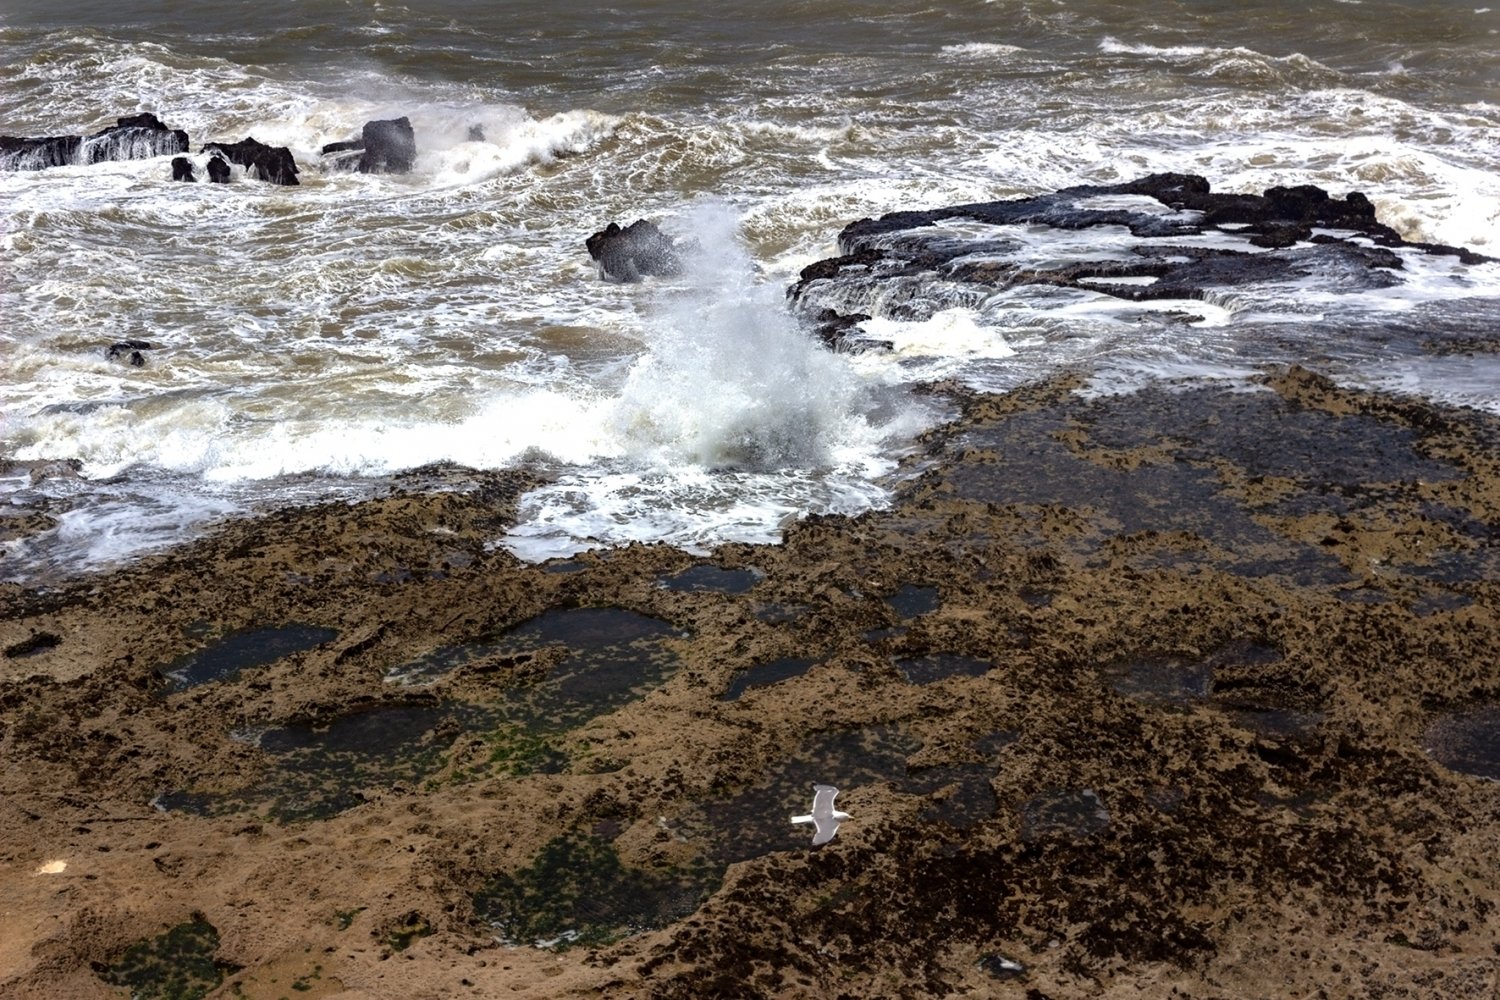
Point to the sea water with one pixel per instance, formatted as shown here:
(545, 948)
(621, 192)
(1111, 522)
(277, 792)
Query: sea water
(308, 341)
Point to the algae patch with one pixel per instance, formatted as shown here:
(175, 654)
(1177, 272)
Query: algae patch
(578, 891)
(178, 964)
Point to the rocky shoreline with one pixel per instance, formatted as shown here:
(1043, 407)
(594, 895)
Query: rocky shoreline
(1163, 240)
(1184, 692)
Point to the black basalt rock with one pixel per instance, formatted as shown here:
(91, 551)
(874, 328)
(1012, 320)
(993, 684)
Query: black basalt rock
(346, 146)
(838, 332)
(182, 169)
(218, 170)
(631, 253)
(18, 153)
(390, 147)
(343, 155)
(907, 265)
(269, 163)
(387, 146)
(133, 137)
(129, 352)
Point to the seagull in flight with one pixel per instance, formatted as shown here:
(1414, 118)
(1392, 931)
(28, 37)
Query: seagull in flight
(823, 816)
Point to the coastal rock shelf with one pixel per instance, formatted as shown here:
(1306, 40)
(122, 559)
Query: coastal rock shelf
(1118, 688)
(1164, 238)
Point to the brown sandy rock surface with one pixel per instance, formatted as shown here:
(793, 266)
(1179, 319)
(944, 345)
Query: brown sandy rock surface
(1186, 692)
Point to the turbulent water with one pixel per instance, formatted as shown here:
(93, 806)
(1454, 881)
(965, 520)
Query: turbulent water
(308, 341)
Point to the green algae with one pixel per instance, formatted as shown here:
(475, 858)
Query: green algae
(177, 964)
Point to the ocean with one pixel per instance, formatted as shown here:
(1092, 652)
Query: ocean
(308, 343)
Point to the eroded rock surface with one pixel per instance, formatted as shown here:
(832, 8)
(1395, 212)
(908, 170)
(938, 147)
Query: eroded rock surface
(1198, 740)
(638, 250)
(1162, 237)
(133, 137)
(387, 146)
(273, 164)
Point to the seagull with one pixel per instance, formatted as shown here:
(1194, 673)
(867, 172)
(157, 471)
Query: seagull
(824, 816)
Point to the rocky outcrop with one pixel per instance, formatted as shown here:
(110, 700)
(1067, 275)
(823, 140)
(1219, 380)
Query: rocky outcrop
(1161, 237)
(838, 332)
(17, 153)
(384, 147)
(634, 252)
(134, 137)
(182, 169)
(1163, 721)
(390, 147)
(269, 163)
(342, 156)
(218, 170)
(129, 352)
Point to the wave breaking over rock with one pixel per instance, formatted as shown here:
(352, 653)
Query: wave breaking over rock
(1160, 238)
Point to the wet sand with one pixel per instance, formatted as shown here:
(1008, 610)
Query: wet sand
(1182, 693)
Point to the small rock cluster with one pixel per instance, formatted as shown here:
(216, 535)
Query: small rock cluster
(383, 147)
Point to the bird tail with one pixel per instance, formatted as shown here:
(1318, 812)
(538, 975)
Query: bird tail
(802, 819)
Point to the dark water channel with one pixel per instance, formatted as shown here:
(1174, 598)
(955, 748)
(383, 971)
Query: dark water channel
(602, 659)
(225, 658)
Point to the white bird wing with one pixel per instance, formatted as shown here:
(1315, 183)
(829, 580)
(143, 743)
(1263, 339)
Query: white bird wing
(825, 818)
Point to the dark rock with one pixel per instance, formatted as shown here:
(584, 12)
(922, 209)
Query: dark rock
(831, 266)
(390, 147)
(182, 169)
(476, 133)
(129, 351)
(1002, 968)
(343, 156)
(134, 137)
(269, 163)
(36, 154)
(907, 265)
(840, 333)
(37, 642)
(628, 254)
(218, 170)
(384, 147)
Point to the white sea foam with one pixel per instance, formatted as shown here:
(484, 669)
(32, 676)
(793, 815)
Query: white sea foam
(1222, 58)
(1114, 45)
(980, 49)
(952, 333)
(358, 325)
(731, 422)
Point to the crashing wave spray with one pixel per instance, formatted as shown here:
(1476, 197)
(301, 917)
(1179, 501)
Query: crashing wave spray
(131, 143)
(734, 422)
(730, 381)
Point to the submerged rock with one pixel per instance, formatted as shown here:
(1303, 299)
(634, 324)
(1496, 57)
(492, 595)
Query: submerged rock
(631, 253)
(182, 169)
(269, 163)
(129, 351)
(133, 137)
